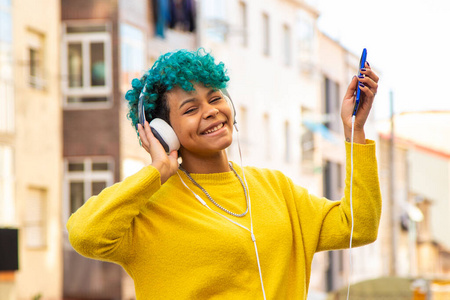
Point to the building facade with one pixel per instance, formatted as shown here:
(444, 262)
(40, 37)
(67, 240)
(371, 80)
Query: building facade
(31, 147)
(422, 196)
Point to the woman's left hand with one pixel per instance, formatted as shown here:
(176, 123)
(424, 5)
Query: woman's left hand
(368, 83)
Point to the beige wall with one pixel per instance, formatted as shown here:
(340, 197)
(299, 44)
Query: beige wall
(38, 148)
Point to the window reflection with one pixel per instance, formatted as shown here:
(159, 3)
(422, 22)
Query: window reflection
(75, 65)
(97, 64)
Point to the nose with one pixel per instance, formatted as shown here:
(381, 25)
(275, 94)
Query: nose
(210, 111)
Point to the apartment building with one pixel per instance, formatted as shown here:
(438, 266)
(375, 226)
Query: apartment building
(30, 147)
(414, 170)
(422, 196)
(8, 220)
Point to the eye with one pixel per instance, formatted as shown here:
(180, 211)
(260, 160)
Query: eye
(190, 110)
(216, 99)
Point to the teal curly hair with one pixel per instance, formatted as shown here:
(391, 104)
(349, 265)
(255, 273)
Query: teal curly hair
(180, 68)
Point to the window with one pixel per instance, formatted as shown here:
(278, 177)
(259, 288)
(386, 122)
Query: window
(132, 55)
(216, 25)
(286, 45)
(332, 105)
(266, 34)
(305, 41)
(243, 128)
(35, 226)
(5, 21)
(287, 142)
(332, 180)
(36, 59)
(87, 65)
(6, 69)
(307, 143)
(7, 203)
(6, 105)
(85, 178)
(243, 22)
(267, 137)
(179, 15)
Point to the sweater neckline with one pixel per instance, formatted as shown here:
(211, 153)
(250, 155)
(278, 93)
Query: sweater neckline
(217, 178)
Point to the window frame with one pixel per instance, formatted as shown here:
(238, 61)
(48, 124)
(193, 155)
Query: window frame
(7, 103)
(36, 219)
(7, 184)
(86, 39)
(265, 24)
(287, 45)
(36, 43)
(243, 22)
(87, 176)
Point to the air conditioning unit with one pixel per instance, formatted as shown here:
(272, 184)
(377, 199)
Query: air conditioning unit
(9, 249)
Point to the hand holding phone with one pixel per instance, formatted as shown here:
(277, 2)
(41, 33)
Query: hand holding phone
(362, 63)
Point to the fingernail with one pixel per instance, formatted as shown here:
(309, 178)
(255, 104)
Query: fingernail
(361, 76)
(368, 63)
(363, 69)
(361, 85)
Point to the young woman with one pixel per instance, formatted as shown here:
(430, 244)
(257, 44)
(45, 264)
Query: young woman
(208, 229)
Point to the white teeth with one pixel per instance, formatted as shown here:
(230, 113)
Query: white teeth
(214, 129)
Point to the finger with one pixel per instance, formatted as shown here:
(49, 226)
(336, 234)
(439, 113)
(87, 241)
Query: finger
(367, 81)
(174, 155)
(368, 93)
(154, 145)
(142, 136)
(351, 88)
(370, 73)
(149, 134)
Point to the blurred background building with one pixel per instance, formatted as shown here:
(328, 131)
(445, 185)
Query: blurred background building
(64, 135)
(31, 146)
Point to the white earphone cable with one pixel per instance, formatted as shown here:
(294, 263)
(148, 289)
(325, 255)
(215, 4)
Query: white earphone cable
(232, 221)
(251, 219)
(351, 206)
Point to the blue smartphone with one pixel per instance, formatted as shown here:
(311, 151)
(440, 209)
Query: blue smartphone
(362, 63)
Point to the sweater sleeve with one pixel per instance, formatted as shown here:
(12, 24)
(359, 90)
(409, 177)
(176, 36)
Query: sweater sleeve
(366, 202)
(331, 221)
(101, 228)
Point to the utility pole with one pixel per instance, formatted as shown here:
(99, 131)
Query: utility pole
(392, 207)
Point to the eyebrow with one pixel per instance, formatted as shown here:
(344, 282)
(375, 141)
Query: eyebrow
(193, 99)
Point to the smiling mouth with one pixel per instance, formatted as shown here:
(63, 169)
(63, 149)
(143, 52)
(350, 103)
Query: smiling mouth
(213, 129)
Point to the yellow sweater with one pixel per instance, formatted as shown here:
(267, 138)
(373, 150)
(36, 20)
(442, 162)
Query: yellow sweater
(175, 248)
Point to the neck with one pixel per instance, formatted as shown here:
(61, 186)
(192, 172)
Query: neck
(217, 163)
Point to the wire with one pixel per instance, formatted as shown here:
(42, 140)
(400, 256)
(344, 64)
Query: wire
(351, 206)
(232, 221)
(251, 219)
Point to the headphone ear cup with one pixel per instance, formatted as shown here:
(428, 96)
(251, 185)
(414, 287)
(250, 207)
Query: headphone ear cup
(230, 103)
(165, 135)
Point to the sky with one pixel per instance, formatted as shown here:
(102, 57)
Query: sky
(408, 42)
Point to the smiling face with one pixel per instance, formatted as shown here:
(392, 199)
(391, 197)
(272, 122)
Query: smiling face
(202, 120)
